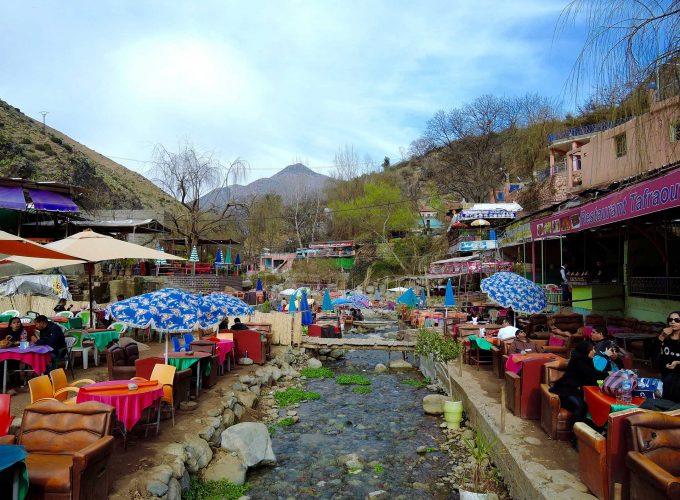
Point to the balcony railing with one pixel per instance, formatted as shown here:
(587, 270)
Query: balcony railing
(544, 173)
(655, 286)
(586, 129)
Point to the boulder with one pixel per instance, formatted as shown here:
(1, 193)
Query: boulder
(239, 410)
(380, 368)
(174, 490)
(245, 361)
(251, 442)
(199, 453)
(226, 466)
(156, 488)
(228, 418)
(314, 363)
(246, 379)
(400, 364)
(433, 404)
(247, 399)
(276, 373)
(188, 405)
(337, 353)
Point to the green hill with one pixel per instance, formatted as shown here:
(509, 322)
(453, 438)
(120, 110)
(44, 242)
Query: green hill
(28, 153)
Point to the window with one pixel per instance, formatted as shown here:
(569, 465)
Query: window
(620, 145)
(675, 131)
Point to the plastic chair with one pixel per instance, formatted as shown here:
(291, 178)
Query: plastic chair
(85, 316)
(119, 326)
(84, 349)
(32, 314)
(165, 375)
(65, 314)
(188, 339)
(493, 314)
(41, 388)
(70, 341)
(61, 386)
(5, 418)
(176, 345)
(11, 312)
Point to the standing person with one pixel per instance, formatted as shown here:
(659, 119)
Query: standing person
(565, 284)
(50, 335)
(580, 372)
(668, 345)
(61, 306)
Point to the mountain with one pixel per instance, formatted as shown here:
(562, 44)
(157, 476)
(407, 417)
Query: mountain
(27, 152)
(293, 179)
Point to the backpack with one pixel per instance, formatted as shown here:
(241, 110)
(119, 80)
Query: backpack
(614, 381)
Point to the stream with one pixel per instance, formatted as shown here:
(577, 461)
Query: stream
(383, 428)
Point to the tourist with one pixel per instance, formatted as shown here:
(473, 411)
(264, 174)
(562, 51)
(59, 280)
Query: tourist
(598, 336)
(668, 345)
(580, 372)
(606, 357)
(15, 330)
(507, 331)
(51, 335)
(565, 284)
(61, 306)
(284, 305)
(523, 344)
(238, 325)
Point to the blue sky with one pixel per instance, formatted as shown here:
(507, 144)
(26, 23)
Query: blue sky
(272, 82)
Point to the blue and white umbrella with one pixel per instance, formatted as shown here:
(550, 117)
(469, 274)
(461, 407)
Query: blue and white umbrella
(228, 305)
(511, 290)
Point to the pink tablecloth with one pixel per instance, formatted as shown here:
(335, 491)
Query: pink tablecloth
(514, 362)
(224, 347)
(38, 357)
(129, 405)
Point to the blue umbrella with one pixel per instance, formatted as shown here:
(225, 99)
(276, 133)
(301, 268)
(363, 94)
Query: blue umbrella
(291, 306)
(342, 301)
(327, 304)
(237, 262)
(449, 298)
(511, 290)
(228, 305)
(218, 257)
(307, 318)
(409, 298)
(227, 259)
(423, 298)
(258, 287)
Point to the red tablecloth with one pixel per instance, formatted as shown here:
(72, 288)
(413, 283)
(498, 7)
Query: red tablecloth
(224, 347)
(38, 357)
(514, 362)
(129, 405)
(600, 404)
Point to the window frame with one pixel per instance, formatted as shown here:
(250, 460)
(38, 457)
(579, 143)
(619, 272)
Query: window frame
(620, 145)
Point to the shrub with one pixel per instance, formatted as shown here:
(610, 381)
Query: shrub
(266, 306)
(214, 490)
(322, 372)
(285, 422)
(294, 395)
(25, 140)
(354, 379)
(56, 139)
(416, 383)
(432, 343)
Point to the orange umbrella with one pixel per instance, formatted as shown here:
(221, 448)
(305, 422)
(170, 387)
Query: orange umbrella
(14, 245)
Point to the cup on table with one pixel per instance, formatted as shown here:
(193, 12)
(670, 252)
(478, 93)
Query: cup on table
(523, 351)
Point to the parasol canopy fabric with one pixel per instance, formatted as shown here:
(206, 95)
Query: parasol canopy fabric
(511, 290)
(16, 247)
(228, 304)
(307, 318)
(193, 257)
(237, 262)
(327, 304)
(423, 298)
(449, 298)
(480, 223)
(218, 257)
(408, 298)
(227, 259)
(258, 286)
(399, 289)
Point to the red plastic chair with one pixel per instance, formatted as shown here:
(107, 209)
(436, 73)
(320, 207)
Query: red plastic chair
(5, 418)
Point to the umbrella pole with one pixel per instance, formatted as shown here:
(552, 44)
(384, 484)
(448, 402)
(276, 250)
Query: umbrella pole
(90, 265)
(166, 347)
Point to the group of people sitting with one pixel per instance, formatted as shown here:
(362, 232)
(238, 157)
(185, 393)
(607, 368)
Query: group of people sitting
(47, 333)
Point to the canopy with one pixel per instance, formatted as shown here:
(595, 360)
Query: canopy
(54, 202)
(326, 305)
(194, 255)
(14, 246)
(258, 286)
(307, 318)
(409, 298)
(288, 291)
(399, 289)
(12, 197)
(449, 298)
(511, 290)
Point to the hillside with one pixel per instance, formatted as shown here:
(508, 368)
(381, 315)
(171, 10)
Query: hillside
(293, 179)
(26, 152)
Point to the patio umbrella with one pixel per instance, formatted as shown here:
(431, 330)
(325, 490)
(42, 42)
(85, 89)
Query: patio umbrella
(258, 286)
(423, 298)
(193, 258)
(291, 306)
(409, 298)
(218, 261)
(342, 301)
(228, 305)
(14, 246)
(399, 289)
(93, 247)
(307, 318)
(511, 290)
(327, 304)
(480, 223)
(449, 298)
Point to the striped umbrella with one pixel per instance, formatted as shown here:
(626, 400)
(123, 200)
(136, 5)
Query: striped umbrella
(194, 255)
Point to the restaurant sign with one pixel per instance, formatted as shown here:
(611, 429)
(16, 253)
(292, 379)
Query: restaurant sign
(475, 245)
(644, 198)
(514, 234)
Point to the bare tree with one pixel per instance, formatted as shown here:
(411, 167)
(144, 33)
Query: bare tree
(189, 175)
(347, 163)
(307, 218)
(627, 40)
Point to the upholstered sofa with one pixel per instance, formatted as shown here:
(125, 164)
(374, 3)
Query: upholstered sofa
(556, 421)
(523, 391)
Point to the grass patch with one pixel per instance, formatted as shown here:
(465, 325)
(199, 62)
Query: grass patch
(361, 389)
(285, 422)
(418, 384)
(354, 379)
(294, 395)
(378, 469)
(214, 490)
(322, 372)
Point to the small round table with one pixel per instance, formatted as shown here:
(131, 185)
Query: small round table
(184, 360)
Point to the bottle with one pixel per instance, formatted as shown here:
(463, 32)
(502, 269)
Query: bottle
(626, 389)
(24, 336)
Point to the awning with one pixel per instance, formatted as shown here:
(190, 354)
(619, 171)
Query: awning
(12, 197)
(488, 211)
(51, 201)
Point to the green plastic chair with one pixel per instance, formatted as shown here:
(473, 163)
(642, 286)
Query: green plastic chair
(80, 336)
(11, 312)
(85, 316)
(65, 314)
(119, 326)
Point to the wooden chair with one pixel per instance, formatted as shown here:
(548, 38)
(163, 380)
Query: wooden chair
(476, 355)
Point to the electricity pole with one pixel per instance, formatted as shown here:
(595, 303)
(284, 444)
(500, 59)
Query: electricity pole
(44, 113)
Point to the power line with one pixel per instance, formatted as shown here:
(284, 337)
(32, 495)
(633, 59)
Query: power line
(250, 168)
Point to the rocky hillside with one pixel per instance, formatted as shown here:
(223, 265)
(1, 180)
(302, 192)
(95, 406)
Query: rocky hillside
(28, 153)
(287, 183)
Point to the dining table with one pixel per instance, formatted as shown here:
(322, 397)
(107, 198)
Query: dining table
(183, 360)
(600, 405)
(68, 323)
(128, 403)
(467, 329)
(514, 362)
(224, 347)
(102, 337)
(38, 357)
(13, 468)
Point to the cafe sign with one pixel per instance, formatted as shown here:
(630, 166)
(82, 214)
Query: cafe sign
(475, 245)
(643, 198)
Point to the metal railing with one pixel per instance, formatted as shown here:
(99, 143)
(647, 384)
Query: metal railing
(655, 286)
(586, 129)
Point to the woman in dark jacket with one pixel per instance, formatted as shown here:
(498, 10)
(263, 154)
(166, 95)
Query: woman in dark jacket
(580, 372)
(14, 330)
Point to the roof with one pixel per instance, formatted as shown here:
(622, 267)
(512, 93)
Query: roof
(203, 241)
(56, 187)
(110, 226)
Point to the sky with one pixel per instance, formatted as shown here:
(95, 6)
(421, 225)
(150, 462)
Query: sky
(272, 82)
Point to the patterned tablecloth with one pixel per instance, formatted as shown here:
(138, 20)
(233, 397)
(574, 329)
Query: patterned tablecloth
(129, 404)
(37, 356)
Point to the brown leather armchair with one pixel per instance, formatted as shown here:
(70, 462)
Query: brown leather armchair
(565, 325)
(68, 449)
(209, 347)
(121, 361)
(654, 456)
(535, 325)
(556, 421)
(523, 391)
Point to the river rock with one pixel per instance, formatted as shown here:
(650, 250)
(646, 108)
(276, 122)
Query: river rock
(245, 361)
(324, 352)
(199, 453)
(337, 353)
(226, 466)
(174, 490)
(251, 441)
(400, 364)
(433, 404)
(314, 363)
(377, 495)
(188, 405)
(156, 488)
(380, 368)
(353, 463)
(247, 399)
(239, 410)
(276, 373)
(176, 449)
(468, 434)
(228, 417)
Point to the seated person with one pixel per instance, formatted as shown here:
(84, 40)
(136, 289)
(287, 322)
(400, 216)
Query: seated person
(507, 331)
(61, 306)
(15, 330)
(523, 343)
(606, 357)
(360, 315)
(120, 297)
(51, 335)
(238, 325)
(599, 336)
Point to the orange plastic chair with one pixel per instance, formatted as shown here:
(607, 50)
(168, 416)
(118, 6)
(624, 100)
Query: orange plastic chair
(5, 418)
(62, 388)
(41, 388)
(165, 375)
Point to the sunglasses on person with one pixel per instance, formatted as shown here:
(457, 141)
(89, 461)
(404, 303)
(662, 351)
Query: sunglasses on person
(674, 320)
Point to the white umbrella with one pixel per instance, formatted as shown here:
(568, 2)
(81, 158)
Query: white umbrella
(93, 247)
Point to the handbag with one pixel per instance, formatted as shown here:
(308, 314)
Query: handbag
(614, 382)
(649, 388)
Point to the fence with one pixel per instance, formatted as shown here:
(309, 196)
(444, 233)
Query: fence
(286, 328)
(655, 286)
(23, 303)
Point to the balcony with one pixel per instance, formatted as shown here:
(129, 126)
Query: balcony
(573, 133)
(544, 173)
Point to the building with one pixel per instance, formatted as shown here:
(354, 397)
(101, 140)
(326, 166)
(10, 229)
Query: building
(428, 221)
(340, 253)
(276, 262)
